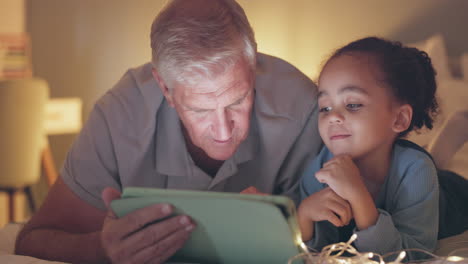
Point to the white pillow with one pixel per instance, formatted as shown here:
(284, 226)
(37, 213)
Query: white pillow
(452, 96)
(434, 46)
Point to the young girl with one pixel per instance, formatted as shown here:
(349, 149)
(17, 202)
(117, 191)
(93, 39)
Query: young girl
(367, 181)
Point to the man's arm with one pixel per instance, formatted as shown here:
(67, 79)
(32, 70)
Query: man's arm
(68, 229)
(65, 229)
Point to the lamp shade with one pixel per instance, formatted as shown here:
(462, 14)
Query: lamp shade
(63, 116)
(22, 113)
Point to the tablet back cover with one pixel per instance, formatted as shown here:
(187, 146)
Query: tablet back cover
(231, 227)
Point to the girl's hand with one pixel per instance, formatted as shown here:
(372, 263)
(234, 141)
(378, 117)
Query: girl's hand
(343, 177)
(320, 206)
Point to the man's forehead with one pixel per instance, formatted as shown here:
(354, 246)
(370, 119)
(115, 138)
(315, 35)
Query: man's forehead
(231, 80)
(215, 90)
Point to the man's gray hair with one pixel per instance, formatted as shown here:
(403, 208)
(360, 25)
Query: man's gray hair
(190, 38)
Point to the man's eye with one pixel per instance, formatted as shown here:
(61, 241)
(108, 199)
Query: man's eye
(237, 103)
(325, 109)
(200, 110)
(353, 107)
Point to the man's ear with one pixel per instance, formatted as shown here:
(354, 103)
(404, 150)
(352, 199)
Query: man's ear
(162, 85)
(403, 118)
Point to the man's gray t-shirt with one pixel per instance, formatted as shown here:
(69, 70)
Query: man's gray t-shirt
(133, 138)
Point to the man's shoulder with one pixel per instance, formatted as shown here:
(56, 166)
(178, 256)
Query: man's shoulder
(283, 90)
(134, 93)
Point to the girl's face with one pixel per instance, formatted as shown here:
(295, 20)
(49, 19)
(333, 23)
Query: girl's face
(357, 110)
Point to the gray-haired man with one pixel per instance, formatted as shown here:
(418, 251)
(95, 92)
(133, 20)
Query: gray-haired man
(208, 113)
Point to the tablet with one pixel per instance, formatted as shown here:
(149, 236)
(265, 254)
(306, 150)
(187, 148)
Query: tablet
(231, 227)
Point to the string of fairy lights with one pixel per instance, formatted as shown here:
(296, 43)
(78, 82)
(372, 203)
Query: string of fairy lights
(345, 253)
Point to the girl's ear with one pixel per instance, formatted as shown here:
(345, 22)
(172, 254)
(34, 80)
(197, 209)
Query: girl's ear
(403, 118)
(162, 85)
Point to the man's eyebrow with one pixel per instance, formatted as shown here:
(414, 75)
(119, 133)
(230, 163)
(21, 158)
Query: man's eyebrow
(241, 98)
(195, 108)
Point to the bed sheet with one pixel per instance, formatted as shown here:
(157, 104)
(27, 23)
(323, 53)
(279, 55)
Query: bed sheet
(8, 235)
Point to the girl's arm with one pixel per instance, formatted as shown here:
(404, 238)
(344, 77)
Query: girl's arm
(344, 178)
(409, 218)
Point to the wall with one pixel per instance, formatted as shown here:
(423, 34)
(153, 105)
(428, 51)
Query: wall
(12, 20)
(305, 32)
(12, 16)
(83, 47)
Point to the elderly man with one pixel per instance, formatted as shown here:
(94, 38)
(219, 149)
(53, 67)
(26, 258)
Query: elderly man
(207, 114)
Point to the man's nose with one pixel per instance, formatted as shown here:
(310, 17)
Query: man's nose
(222, 125)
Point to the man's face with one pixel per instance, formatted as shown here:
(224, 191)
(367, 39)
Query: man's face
(216, 112)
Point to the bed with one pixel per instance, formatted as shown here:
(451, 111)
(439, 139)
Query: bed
(8, 235)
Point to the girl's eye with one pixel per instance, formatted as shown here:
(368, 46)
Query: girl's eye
(353, 107)
(325, 109)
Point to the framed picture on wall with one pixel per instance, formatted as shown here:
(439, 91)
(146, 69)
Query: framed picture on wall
(15, 56)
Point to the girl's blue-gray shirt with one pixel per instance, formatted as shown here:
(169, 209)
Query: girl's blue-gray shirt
(408, 205)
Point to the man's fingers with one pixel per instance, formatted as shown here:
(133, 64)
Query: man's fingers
(164, 249)
(157, 232)
(253, 190)
(108, 195)
(249, 190)
(143, 233)
(140, 218)
(138, 230)
(176, 241)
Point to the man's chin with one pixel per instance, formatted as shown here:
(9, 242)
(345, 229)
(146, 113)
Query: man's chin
(221, 155)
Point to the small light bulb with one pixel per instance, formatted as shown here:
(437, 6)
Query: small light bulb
(455, 258)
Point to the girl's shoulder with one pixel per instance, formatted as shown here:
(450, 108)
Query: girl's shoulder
(412, 165)
(408, 154)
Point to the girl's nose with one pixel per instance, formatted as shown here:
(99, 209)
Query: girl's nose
(335, 117)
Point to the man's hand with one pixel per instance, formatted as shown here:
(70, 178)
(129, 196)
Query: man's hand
(320, 206)
(253, 190)
(138, 238)
(343, 177)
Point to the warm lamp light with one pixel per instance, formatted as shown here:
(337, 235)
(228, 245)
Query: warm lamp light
(63, 116)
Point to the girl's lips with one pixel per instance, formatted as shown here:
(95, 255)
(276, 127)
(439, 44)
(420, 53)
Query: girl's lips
(336, 137)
